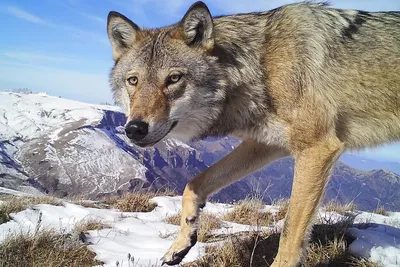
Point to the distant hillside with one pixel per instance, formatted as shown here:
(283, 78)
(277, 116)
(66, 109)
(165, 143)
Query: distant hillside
(366, 189)
(53, 145)
(365, 164)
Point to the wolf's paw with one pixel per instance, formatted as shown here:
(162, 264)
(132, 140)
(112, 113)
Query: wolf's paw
(179, 249)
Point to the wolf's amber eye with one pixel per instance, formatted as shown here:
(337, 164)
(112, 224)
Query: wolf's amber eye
(174, 78)
(132, 80)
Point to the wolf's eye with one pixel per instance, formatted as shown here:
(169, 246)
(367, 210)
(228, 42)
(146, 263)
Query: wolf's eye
(174, 78)
(132, 80)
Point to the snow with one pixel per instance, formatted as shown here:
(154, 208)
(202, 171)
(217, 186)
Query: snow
(137, 233)
(30, 115)
(146, 237)
(380, 243)
(171, 143)
(46, 136)
(8, 191)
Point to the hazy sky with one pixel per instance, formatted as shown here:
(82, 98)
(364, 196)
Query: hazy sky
(61, 47)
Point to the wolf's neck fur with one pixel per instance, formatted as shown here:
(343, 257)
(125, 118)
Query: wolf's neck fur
(239, 52)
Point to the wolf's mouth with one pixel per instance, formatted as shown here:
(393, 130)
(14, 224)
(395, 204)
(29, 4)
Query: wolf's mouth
(155, 142)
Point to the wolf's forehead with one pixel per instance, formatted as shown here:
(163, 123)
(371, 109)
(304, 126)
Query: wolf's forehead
(155, 52)
(156, 48)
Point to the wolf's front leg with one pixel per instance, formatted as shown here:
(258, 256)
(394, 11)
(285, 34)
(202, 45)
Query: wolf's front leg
(312, 169)
(246, 158)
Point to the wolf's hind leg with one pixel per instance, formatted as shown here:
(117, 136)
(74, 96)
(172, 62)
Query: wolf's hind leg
(312, 169)
(248, 157)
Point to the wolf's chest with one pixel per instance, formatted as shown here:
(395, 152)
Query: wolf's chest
(271, 133)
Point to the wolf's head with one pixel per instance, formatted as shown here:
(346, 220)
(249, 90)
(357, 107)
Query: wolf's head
(166, 80)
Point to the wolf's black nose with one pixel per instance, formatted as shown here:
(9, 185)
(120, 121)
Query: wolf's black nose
(136, 130)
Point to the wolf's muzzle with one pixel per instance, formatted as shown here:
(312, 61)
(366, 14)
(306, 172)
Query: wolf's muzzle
(136, 130)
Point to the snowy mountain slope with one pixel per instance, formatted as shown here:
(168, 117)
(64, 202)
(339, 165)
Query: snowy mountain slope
(59, 145)
(146, 236)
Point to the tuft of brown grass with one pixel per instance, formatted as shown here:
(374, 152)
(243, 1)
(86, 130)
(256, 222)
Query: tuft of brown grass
(134, 202)
(283, 205)
(381, 210)
(138, 200)
(249, 211)
(207, 223)
(46, 249)
(87, 204)
(328, 243)
(90, 224)
(334, 206)
(17, 204)
(174, 219)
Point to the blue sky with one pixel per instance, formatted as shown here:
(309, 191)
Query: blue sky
(61, 47)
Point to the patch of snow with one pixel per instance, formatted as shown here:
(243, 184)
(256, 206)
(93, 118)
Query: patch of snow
(172, 143)
(28, 190)
(378, 243)
(137, 233)
(29, 116)
(366, 217)
(13, 192)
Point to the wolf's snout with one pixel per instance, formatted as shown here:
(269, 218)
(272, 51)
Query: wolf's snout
(136, 130)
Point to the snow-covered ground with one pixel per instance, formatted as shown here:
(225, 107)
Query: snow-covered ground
(143, 234)
(380, 243)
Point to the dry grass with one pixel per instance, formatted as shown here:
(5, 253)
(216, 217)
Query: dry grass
(133, 202)
(208, 222)
(381, 210)
(5, 197)
(45, 249)
(17, 204)
(249, 212)
(174, 219)
(137, 201)
(329, 244)
(90, 224)
(240, 251)
(334, 206)
(328, 247)
(87, 204)
(283, 205)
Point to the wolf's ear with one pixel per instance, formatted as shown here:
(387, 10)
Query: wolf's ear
(198, 27)
(122, 33)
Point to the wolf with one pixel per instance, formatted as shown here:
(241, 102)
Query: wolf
(303, 80)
